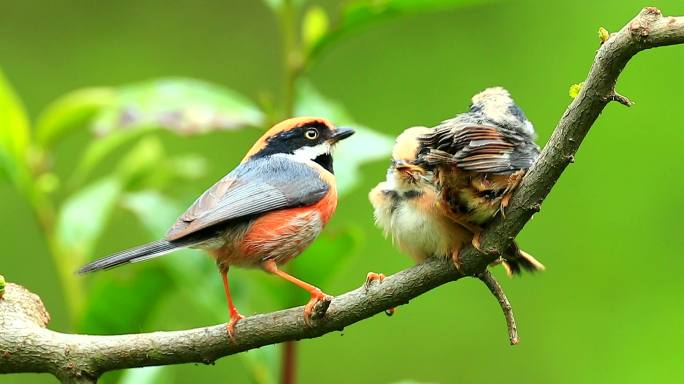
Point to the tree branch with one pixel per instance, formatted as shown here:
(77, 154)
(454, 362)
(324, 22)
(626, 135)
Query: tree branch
(27, 346)
(498, 292)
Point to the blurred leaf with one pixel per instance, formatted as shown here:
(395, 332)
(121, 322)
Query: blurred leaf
(146, 166)
(274, 4)
(141, 160)
(364, 146)
(71, 111)
(14, 133)
(277, 5)
(360, 13)
(98, 150)
(314, 26)
(184, 106)
(118, 301)
(146, 375)
(2, 286)
(83, 217)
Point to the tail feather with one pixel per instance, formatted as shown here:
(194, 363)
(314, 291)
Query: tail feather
(133, 255)
(522, 261)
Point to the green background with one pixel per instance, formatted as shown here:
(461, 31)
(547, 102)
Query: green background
(608, 308)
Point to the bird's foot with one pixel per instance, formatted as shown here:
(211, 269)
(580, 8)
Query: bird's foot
(230, 327)
(476, 240)
(379, 277)
(455, 258)
(316, 306)
(371, 277)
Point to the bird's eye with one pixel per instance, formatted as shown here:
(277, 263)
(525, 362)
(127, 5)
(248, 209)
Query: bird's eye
(311, 134)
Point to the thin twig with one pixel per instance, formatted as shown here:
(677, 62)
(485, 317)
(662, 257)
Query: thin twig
(498, 292)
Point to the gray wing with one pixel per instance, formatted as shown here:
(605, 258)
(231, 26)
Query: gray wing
(253, 188)
(479, 148)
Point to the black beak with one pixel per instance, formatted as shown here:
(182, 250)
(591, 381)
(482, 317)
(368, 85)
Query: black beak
(341, 133)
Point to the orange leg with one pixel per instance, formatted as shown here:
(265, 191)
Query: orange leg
(370, 278)
(316, 294)
(235, 316)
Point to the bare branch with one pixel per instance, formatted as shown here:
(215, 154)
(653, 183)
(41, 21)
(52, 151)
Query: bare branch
(27, 346)
(498, 292)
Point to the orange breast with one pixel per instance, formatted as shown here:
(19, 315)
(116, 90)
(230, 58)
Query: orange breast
(281, 235)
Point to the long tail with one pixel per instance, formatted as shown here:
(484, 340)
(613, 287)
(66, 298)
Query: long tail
(521, 261)
(134, 255)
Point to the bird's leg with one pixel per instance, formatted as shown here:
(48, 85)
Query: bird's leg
(316, 294)
(370, 278)
(463, 222)
(235, 316)
(455, 258)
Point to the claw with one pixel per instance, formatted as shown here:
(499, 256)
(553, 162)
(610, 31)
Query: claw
(230, 327)
(380, 277)
(476, 240)
(371, 277)
(316, 297)
(456, 260)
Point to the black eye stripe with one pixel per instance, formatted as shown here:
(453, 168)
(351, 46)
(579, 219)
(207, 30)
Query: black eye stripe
(295, 138)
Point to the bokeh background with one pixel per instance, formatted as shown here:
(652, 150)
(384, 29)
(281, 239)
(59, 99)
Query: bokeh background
(110, 166)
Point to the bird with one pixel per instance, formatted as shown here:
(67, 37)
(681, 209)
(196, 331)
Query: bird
(430, 206)
(477, 159)
(407, 205)
(263, 213)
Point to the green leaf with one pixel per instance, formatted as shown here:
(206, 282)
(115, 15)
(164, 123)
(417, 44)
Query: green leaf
(71, 111)
(360, 13)
(183, 106)
(364, 146)
(83, 216)
(314, 26)
(277, 5)
(98, 150)
(147, 375)
(14, 134)
(146, 166)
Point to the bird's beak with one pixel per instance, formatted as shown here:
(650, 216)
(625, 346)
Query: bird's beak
(341, 133)
(405, 166)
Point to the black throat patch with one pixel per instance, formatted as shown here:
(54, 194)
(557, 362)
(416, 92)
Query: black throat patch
(326, 161)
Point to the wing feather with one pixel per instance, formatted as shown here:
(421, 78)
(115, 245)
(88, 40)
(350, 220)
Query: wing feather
(479, 148)
(253, 188)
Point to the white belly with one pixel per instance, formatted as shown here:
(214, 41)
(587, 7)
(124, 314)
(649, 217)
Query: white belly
(416, 233)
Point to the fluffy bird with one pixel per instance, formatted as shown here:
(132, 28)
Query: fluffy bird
(263, 213)
(407, 205)
(446, 183)
(478, 159)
